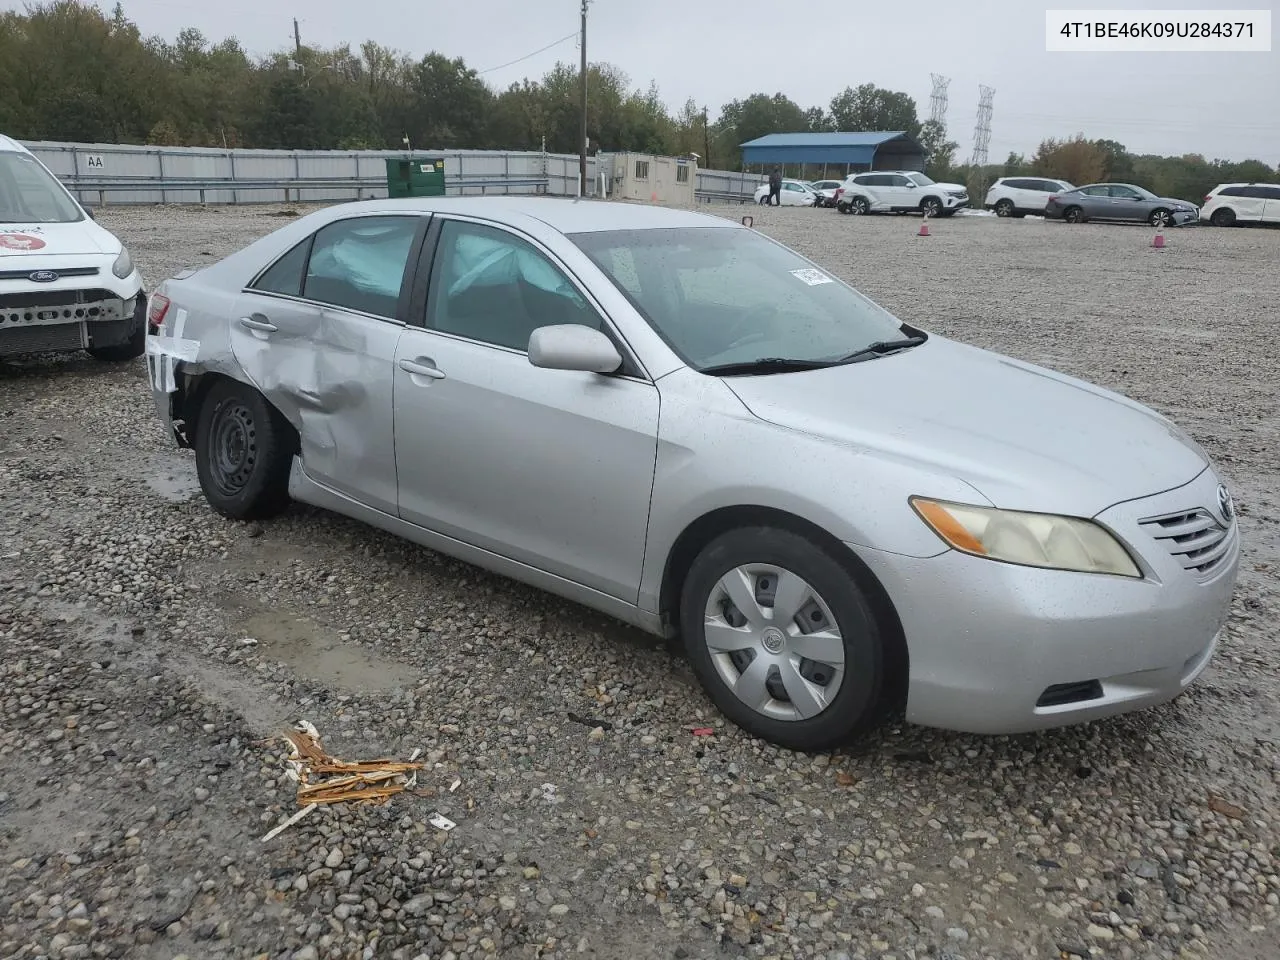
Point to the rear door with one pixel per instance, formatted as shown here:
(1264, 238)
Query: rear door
(1271, 199)
(552, 468)
(316, 333)
(1096, 201)
(1251, 203)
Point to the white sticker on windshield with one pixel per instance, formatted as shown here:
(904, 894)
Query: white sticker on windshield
(811, 276)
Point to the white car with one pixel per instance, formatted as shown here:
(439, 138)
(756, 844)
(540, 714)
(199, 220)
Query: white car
(794, 193)
(66, 283)
(888, 191)
(1019, 196)
(1231, 203)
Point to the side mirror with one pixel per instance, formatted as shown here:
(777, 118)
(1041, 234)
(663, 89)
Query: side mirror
(571, 346)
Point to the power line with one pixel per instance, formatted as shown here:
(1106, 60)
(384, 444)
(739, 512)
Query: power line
(512, 63)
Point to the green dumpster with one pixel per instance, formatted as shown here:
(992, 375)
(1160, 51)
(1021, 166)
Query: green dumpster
(419, 177)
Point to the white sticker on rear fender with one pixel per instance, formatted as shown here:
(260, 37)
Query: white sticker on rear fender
(165, 352)
(811, 276)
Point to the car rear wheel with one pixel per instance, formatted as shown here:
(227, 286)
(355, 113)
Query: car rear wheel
(1004, 208)
(243, 453)
(1223, 217)
(134, 347)
(1073, 215)
(859, 206)
(1159, 217)
(782, 639)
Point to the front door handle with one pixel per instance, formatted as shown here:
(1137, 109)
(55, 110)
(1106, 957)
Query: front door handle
(422, 367)
(258, 322)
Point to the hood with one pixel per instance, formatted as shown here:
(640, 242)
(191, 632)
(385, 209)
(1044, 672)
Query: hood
(1027, 438)
(56, 239)
(1175, 202)
(951, 186)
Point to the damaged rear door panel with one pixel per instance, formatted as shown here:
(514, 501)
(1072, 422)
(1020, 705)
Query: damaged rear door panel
(317, 335)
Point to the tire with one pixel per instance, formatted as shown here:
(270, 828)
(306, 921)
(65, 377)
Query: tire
(244, 452)
(931, 206)
(1004, 208)
(132, 348)
(1223, 217)
(1073, 215)
(860, 206)
(763, 201)
(819, 720)
(1159, 216)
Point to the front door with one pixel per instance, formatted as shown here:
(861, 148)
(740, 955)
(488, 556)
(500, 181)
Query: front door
(551, 468)
(317, 334)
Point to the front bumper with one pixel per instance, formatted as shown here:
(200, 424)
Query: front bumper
(1182, 217)
(999, 649)
(66, 320)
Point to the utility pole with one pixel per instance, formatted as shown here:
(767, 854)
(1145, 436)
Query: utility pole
(582, 142)
(297, 36)
(706, 137)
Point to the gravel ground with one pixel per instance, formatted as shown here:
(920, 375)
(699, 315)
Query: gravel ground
(137, 777)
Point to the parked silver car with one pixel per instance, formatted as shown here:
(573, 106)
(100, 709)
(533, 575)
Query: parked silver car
(675, 420)
(1119, 201)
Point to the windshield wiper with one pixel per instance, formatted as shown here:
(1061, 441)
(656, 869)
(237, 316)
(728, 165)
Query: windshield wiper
(882, 348)
(764, 365)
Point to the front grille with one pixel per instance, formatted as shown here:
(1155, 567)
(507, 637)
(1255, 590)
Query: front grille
(1195, 538)
(68, 272)
(52, 298)
(38, 339)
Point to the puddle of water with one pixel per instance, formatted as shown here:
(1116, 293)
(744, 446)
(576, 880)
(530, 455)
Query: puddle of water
(319, 654)
(175, 481)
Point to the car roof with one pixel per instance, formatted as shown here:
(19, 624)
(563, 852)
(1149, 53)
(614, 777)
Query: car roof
(564, 214)
(8, 145)
(1250, 183)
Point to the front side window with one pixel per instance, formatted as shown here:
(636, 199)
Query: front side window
(360, 263)
(492, 286)
(1125, 193)
(725, 296)
(31, 194)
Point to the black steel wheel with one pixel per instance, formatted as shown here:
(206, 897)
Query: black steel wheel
(244, 450)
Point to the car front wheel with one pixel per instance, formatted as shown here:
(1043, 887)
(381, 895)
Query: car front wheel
(782, 639)
(1159, 217)
(243, 453)
(931, 206)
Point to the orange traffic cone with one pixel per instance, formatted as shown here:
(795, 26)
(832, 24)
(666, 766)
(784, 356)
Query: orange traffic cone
(924, 226)
(1158, 240)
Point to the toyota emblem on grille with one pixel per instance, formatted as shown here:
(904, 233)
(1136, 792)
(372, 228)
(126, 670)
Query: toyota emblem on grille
(42, 276)
(1225, 506)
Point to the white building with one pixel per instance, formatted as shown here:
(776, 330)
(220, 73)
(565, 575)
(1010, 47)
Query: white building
(648, 177)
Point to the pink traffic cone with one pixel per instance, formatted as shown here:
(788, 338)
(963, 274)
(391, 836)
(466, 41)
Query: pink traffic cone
(924, 226)
(1158, 240)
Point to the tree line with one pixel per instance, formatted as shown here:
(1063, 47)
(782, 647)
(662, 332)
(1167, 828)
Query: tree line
(88, 76)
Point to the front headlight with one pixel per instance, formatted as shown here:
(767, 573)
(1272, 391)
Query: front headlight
(1028, 539)
(123, 265)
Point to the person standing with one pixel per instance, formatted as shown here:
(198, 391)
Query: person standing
(775, 187)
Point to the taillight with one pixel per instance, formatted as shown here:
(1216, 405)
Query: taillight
(839, 192)
(156, 311)
(1053, 197)
(1207, 198)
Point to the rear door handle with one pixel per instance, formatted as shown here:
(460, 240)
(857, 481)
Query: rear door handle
(422, 367)
(258, 322)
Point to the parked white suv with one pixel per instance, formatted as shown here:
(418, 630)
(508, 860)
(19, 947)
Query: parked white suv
(884, 191)
(66, 283)
(1231, 203)
(1019, 196)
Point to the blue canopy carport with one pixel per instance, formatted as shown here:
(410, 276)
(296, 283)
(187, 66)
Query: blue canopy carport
(875, 150)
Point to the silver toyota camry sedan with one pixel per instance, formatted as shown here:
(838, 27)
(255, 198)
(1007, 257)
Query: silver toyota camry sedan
(673, 419)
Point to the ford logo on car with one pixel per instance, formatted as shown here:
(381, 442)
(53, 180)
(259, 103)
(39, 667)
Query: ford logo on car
(42, 276)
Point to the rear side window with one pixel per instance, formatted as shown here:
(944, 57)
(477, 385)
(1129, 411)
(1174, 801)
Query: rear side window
(360, 263)
(1271, 193)
(1233, 192)
(1018, 184)
(1261, 193)
(285, 275)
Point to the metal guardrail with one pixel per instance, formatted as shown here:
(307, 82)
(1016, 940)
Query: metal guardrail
(725, 196)
(102, 187)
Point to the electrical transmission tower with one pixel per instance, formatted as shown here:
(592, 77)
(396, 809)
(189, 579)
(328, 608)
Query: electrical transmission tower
(982, 129)
(938, 102)
(981, 138)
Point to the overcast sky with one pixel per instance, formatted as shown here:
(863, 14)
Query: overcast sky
(1218, 104)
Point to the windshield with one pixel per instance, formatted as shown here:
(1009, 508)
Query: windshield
(1144, 193)
(921, 179)
(722, 296)
(30, 194)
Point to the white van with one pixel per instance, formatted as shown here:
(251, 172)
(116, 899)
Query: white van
(65, 282)
(1231, 203)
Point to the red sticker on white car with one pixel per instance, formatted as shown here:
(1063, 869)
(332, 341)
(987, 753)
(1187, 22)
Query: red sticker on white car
(23, 242)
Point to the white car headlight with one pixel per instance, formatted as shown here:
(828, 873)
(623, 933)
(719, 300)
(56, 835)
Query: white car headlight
(123, 265)
(1027, 539)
